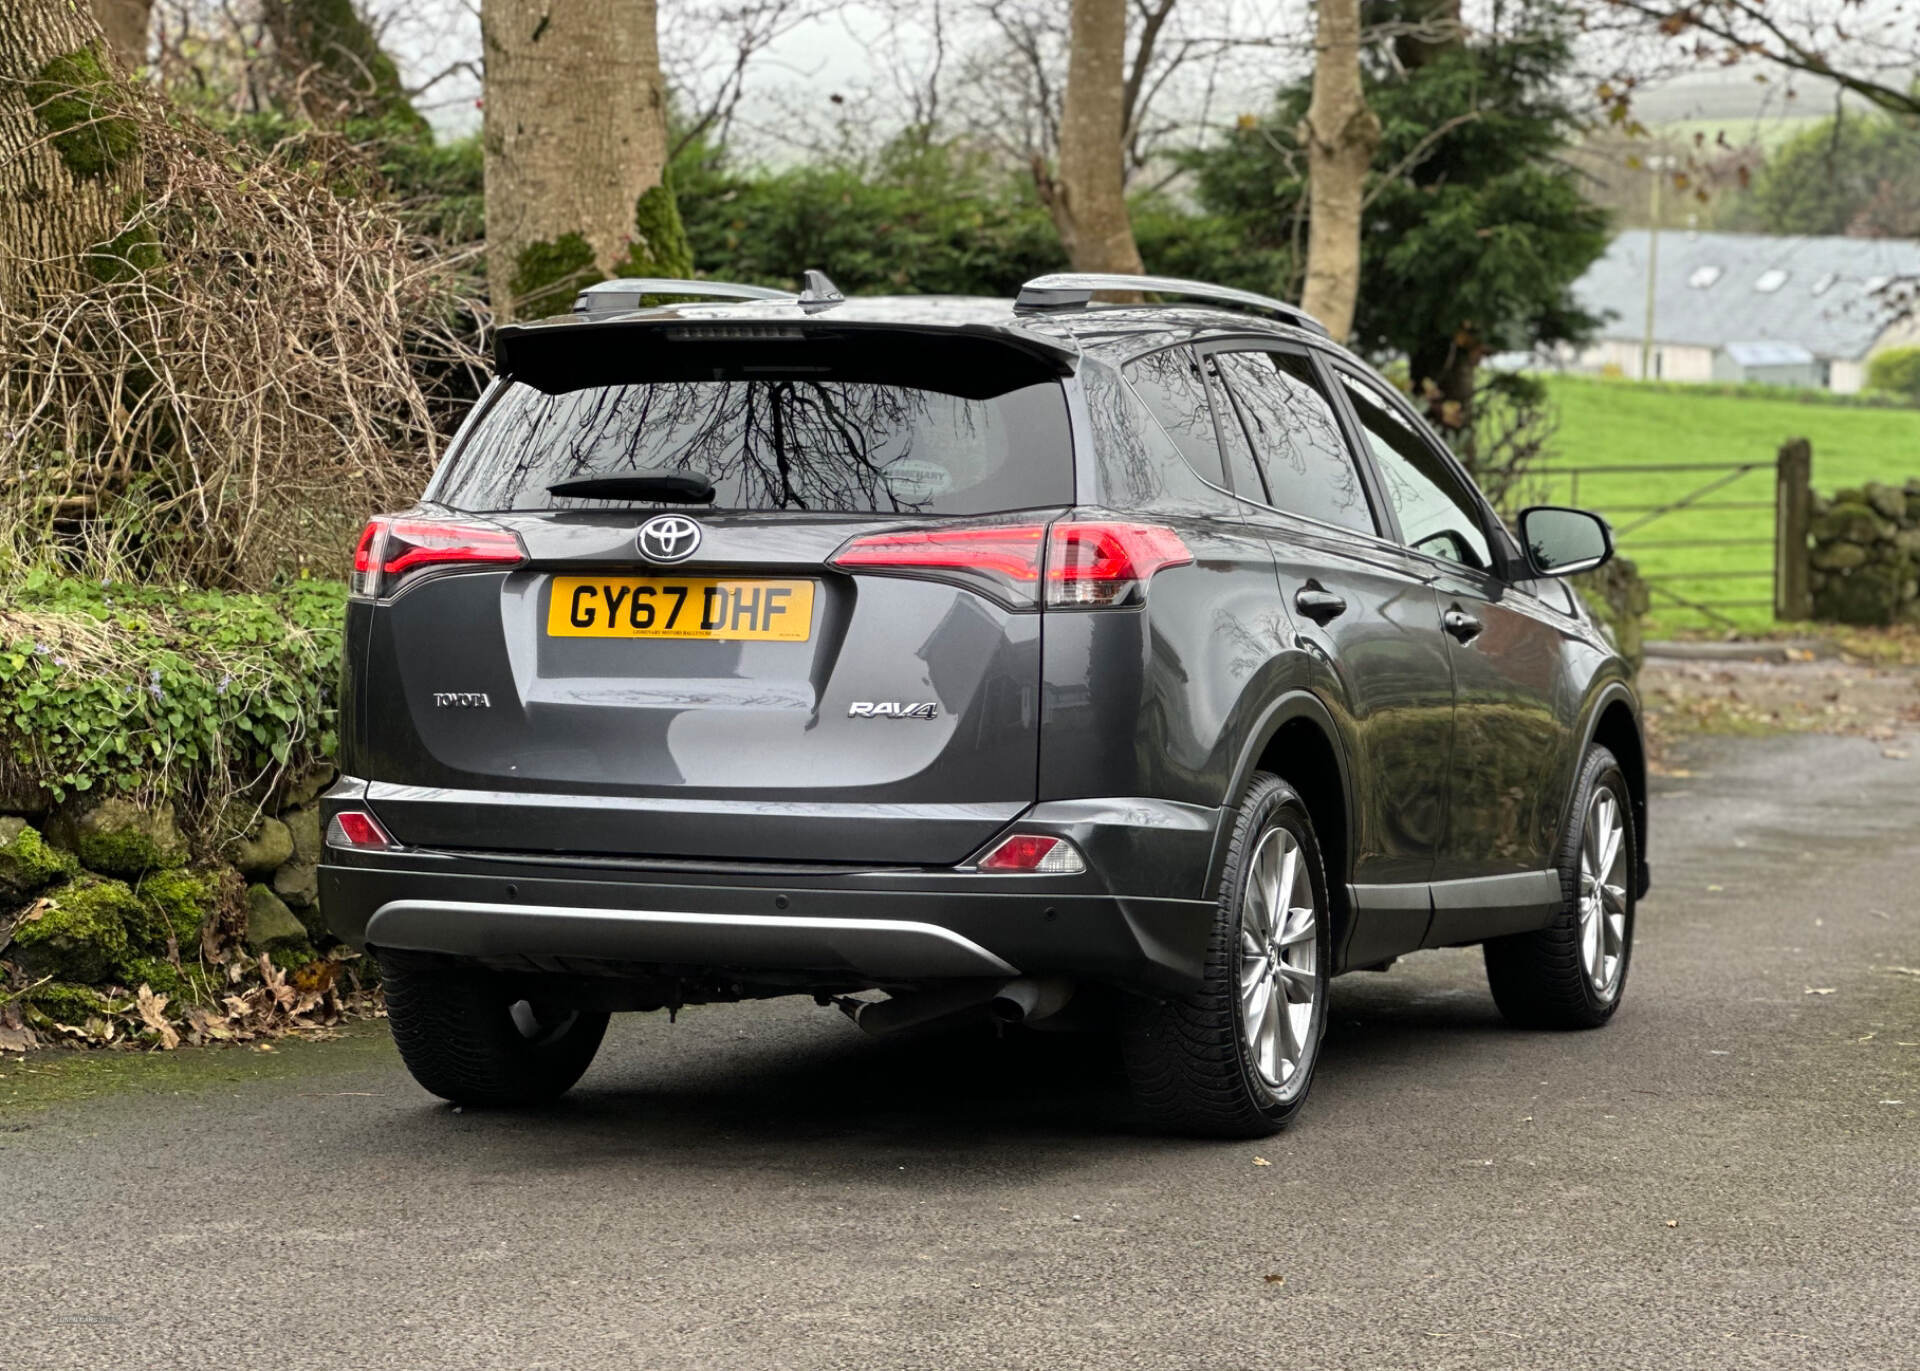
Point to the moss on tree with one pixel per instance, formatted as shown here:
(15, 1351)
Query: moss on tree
(127, 256)
(660, 246)
(551, 272)
(69, 96)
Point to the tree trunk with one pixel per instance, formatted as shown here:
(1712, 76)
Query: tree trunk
(335, 65)
(1341, 134)
(1089, 201)
(68, 164)
(126, 23)
(576, 151)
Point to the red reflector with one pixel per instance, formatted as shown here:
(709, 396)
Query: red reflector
(357, 828)
(1106, 563)
(391, 547)
(1036, 852)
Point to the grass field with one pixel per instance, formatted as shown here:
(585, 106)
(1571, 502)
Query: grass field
(1615, 423)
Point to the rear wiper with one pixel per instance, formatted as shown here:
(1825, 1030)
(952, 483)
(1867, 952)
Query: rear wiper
(672, 487)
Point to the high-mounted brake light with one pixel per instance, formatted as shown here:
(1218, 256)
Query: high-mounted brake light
(1087, 565)
(391, 547)
(1040, 854)
(355, 828)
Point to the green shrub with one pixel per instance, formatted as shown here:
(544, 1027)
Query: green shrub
(1896, 370)
(162, 693)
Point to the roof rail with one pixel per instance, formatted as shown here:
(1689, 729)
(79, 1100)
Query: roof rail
(1070, 290)
(624, 295)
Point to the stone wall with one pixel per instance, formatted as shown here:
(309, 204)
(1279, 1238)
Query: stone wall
(1866, 555)
(100, 897)
(1619, 599)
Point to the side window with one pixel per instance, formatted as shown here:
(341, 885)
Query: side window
(1436, 516)
(1137, 465)
(1233, 438)
(1296, 438)
(1169, 381)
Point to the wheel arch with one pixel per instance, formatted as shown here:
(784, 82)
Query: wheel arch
(1296, 739)
(1613, 722)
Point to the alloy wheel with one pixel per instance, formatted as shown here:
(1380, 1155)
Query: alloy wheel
(1279, 963)
(1603, 894)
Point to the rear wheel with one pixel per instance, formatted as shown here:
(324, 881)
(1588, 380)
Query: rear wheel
(1570, 974)
(1235, 1058)
(467, 1037)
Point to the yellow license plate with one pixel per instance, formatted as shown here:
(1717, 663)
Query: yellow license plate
(680, 607)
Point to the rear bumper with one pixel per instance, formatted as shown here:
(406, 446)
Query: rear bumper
(1134, 919)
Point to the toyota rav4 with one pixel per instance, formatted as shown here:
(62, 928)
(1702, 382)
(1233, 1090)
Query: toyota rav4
(1138, 665)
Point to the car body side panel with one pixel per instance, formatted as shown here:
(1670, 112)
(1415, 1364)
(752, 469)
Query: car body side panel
(1521, 687)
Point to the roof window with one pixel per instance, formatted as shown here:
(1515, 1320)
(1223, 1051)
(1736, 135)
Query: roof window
(1703, 277)
(1825, 282)
(1770, 280)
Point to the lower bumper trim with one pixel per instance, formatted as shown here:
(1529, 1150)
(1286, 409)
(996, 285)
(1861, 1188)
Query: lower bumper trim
(880, 948)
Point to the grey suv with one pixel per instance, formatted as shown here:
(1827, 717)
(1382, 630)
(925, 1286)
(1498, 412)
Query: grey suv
(1137, 666)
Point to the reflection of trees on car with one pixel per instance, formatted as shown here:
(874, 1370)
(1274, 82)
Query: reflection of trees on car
(772, 444)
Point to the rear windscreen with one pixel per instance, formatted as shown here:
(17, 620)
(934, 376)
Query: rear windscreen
(776, 442)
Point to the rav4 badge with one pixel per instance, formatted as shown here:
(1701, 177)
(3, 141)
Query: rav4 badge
(892, 709)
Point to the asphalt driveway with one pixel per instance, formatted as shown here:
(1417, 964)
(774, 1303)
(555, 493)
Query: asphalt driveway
(1728, 1176)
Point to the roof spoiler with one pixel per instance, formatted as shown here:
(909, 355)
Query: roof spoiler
(1072, 290)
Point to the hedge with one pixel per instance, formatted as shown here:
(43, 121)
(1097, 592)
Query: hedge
(192, 696)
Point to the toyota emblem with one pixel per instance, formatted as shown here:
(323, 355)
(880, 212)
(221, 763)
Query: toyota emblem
(669, 538)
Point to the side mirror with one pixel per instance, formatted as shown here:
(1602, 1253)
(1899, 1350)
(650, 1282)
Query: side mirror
(1562, 541)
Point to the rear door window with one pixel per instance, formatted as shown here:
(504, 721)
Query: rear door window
(1233, 439)
(773, 442)
(1296, 438)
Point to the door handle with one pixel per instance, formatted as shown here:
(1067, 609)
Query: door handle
(1318, 604)
(1461, 624)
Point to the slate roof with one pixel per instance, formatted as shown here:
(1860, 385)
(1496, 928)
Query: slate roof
(1825, 303)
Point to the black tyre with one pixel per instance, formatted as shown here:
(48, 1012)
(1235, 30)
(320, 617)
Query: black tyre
(1571, 973)
(468, 1037)
(1235, 1058)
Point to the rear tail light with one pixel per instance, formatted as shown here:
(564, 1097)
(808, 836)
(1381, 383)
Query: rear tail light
(393, 548)
(1040, 854)
(1002, 561)
(355, 828)
(1087, 565)
(1093, 565)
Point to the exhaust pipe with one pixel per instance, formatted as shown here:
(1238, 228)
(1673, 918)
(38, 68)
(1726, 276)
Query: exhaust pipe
(1021, 1000)
(1031, 998)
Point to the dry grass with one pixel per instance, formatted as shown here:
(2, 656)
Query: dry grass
(231, 389)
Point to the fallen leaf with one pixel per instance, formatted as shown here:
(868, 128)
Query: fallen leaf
(153, 1013)
(1673, 1223)
(1905, 970)
(1897, 754)
(1819, 990)
(1715, 888)
(1272, 1279)
(1261, 1161)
